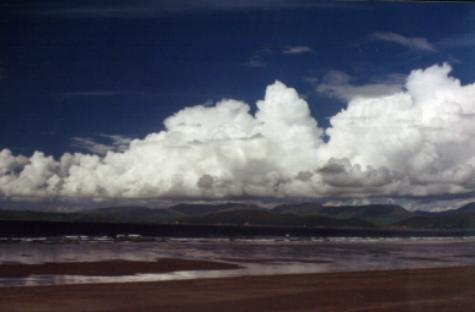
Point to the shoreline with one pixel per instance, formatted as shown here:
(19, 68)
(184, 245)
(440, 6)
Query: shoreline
(440, 289)
(25, 228)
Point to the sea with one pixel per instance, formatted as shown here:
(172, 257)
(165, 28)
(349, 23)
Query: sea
(256, 256)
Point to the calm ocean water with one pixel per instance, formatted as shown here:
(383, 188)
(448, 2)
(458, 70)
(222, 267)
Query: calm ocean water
(257, 256)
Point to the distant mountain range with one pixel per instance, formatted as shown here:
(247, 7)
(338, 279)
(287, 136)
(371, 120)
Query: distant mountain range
(304, 214)
(461, 218)
(376, 214)
(270, 218)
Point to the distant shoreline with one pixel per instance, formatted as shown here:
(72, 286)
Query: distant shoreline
(53, 228)
(419, 290)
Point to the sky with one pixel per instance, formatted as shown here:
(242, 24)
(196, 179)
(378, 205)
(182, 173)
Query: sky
(238, 99)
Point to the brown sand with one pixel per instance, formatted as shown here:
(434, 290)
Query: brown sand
(441, 290)
(111, 268)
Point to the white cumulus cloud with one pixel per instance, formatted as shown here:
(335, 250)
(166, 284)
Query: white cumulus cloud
(417, 141)
(116, 143)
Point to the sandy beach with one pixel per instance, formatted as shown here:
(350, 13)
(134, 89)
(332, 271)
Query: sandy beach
(444, 289)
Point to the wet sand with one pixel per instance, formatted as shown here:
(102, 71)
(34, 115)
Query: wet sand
(111, 268)
(445, 289)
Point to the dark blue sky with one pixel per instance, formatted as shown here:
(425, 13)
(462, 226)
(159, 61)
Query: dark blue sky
(116, 67)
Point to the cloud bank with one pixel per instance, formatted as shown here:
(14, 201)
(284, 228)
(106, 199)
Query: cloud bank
(414, 142)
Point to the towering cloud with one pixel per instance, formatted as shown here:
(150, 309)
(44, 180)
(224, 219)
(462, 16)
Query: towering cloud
(416, 142)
